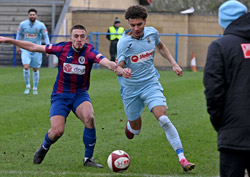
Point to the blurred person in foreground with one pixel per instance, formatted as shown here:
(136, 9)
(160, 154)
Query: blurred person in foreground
(227, 88)
(31, 30)
(140, 82)
(114, 38)
(70, 91)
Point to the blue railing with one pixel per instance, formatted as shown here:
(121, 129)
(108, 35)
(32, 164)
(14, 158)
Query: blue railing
(96, 42)
(177, 35)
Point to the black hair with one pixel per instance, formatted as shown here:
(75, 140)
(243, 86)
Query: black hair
(78, 27)
(32, 10)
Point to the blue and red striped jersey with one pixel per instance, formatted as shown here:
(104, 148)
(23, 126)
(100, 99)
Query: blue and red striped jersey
(73, 67)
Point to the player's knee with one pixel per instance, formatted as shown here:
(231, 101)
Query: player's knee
(164, 121)
(26, 67)
(57, 133)
(89, 122)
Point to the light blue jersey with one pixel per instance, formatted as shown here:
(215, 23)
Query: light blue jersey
(138, 55)
(32, 32)
(143, 87)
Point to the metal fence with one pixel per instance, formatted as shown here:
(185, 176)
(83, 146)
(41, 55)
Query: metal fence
(94, 40)
(176, 35)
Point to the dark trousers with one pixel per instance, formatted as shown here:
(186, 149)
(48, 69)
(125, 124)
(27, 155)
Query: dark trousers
(113, 50)
(233, 163)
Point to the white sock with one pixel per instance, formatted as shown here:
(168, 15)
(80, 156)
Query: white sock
(171, 132)
(26, 75)
(35, 79)
(135, 132)
(181, 156)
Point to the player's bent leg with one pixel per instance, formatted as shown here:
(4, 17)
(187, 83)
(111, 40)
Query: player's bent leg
(57, 127)
(85, 113)
(54, 133)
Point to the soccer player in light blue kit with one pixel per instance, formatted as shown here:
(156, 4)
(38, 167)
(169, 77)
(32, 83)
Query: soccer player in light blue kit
(139, 84)
(31, 30)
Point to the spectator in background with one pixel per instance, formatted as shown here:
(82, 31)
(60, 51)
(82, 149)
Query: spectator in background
(116, 28)
(227, 88)
(31, 30)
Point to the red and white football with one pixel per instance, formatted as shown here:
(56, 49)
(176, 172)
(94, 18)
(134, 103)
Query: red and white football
(118, 161)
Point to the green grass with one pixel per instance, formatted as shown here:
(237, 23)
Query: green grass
(24, 121)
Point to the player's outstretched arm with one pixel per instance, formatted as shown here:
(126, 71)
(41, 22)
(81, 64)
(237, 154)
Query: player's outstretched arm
(24, 44)
(108, 64)
(166, 54)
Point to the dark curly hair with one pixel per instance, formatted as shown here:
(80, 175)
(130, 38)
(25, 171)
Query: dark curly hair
(136, 11)
(32, 10)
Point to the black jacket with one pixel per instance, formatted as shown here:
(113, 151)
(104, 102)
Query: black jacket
(227, 85)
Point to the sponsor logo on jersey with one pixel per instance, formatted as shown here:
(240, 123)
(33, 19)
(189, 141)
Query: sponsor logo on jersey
(28, 35)
(69, 57)
(246, 50)
(73, 69)
(81, 59)
(144, 56)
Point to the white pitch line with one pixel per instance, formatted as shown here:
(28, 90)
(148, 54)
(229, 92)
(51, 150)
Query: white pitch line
(83, 174)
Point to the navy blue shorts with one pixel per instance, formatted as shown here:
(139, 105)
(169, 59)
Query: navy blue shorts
(62, 104)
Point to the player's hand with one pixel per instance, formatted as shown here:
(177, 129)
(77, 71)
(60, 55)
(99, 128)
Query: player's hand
(3, 39)
(126, 73)
(18, 51)
(177, 69)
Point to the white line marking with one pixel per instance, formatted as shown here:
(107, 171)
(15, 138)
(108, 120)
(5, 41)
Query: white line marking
(83, 173)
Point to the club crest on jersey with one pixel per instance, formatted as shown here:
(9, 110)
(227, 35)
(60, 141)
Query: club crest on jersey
(144, 56)
(73, 69)
(246, 50)
(148, 40)
(81, 59)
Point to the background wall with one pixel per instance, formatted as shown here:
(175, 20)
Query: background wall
(98, 16)
(99, 21)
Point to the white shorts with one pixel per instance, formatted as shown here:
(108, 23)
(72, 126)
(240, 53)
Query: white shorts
(151, 95)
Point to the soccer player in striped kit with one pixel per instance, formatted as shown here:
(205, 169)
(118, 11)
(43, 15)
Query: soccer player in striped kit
(70, 91)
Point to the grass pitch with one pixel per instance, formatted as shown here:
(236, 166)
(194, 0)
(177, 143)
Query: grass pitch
(24, 121)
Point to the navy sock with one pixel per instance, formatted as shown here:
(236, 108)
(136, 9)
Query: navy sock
(47, 142)
(89, 140)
